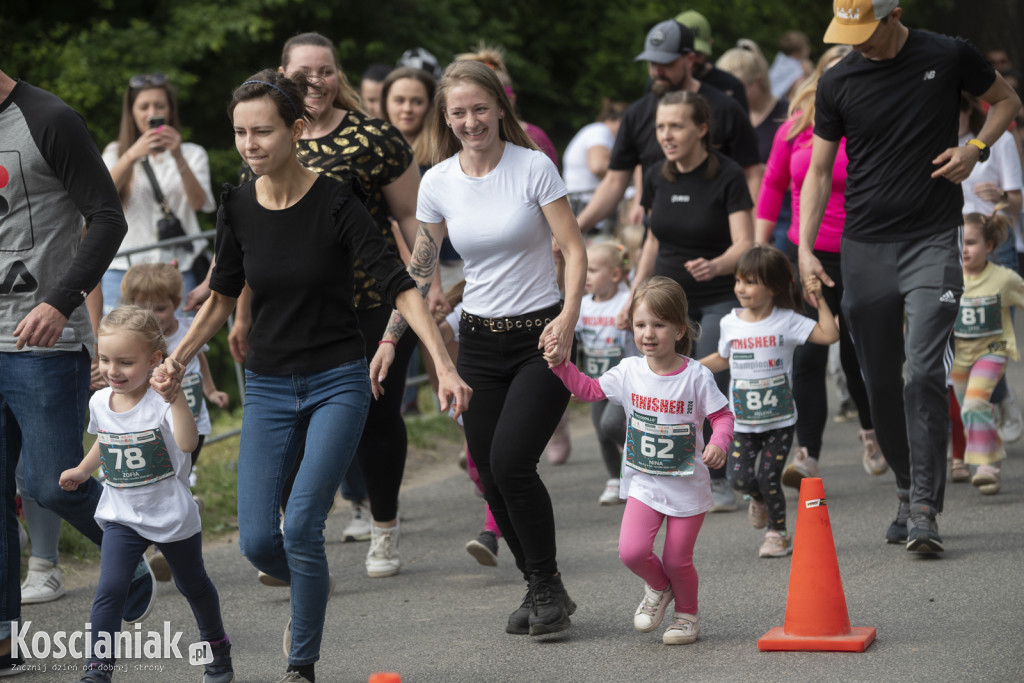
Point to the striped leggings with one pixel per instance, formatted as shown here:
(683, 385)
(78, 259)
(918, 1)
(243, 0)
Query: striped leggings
(973, 386)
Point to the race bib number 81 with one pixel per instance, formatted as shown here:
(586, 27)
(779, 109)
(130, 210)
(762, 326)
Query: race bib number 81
(980, 316)
(135, 459)
(667, 450)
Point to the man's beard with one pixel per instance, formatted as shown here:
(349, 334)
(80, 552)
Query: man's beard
(660, 87)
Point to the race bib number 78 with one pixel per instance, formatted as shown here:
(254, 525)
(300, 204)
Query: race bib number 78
(135, 459)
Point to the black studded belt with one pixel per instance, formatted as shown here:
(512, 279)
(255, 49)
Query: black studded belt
(537, 320)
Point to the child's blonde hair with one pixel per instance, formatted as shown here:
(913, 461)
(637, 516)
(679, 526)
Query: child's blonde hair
(151, 281)
(138, 321)
(665, 299)
(631, 236)
(994, 228)
(618, 257)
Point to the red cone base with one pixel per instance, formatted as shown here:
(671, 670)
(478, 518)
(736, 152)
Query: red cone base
(856, 641)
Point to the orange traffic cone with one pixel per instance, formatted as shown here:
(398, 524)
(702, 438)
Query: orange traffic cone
(385, 677)
(816, 617)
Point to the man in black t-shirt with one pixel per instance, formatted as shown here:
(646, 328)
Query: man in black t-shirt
(668, 51)
(895, 99)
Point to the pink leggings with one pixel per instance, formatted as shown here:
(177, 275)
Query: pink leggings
(640, 525)
(474, 476)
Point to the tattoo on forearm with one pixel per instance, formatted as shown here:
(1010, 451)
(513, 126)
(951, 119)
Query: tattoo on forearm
(396, 326)
(424, 256)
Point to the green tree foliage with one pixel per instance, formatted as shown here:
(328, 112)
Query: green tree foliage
(564, 56)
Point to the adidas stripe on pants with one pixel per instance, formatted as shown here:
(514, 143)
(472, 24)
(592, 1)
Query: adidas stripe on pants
(901, 301)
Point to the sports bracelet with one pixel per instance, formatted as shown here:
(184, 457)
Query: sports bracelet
(386, 341)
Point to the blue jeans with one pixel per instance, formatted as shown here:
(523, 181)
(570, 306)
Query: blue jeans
(122, 550)
(325, 411)
(43, 403)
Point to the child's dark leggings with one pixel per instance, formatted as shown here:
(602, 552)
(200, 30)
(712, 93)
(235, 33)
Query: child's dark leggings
(762, 483)
(119, 556)
(609, 421)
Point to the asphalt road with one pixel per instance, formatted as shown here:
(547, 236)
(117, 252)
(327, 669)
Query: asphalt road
(953, 617)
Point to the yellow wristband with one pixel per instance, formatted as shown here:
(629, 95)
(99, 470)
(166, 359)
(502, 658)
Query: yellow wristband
(978, 143)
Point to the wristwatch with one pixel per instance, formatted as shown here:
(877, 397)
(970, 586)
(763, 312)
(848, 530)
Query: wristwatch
(983, 149)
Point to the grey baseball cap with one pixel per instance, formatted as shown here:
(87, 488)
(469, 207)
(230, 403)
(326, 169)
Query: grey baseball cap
(666, 42)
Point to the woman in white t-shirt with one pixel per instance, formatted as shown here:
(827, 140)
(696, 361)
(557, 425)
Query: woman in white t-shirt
(586, 157)
(500, 201)
(996, 182)
(150, 134)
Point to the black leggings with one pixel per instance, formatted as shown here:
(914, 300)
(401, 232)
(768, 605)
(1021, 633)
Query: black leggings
(762, 483)
(517, 403)
(810, 367)
(383, 446)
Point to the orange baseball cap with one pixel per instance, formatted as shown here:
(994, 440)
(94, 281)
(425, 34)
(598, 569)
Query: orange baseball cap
(856, 20)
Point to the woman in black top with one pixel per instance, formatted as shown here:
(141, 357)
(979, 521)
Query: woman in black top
(700, 225)
(293, 235)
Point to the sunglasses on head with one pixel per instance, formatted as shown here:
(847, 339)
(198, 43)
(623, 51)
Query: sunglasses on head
(144, 80)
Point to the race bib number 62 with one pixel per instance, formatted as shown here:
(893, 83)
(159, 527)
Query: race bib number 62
(667, 450)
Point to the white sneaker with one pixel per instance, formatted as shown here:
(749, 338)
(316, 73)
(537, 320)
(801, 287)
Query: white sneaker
(1011, 426)
(358, 528)
(683, 630)
(652, 608)
(43, 583)
(722, 496)
(268, 580)
(383, 559)
(610, 495)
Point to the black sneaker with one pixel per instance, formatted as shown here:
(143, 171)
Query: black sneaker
(923, 531)
(220, 669)
(484, 548)
(897, 531)
(551, 605)
(519, 621)
(141, 594)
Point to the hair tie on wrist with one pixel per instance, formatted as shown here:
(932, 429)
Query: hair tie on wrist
(386, 341)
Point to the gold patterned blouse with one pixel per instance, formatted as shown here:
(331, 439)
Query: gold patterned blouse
(372, 152)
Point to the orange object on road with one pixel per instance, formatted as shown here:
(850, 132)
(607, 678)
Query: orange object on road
(816, 617)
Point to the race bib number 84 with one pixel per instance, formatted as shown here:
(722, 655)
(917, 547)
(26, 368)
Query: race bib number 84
(135, 459)
(667, 450)
(761, 401)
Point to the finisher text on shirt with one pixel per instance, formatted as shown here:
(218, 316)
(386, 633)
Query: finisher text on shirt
(661, 405)
(765, 342)
(597, 321)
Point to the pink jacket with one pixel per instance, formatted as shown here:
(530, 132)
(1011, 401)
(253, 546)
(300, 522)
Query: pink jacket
(786, 170)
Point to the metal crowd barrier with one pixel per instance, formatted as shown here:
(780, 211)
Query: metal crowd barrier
(208, 237)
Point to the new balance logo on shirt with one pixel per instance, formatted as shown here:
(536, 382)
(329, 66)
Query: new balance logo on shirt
(929, 75)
